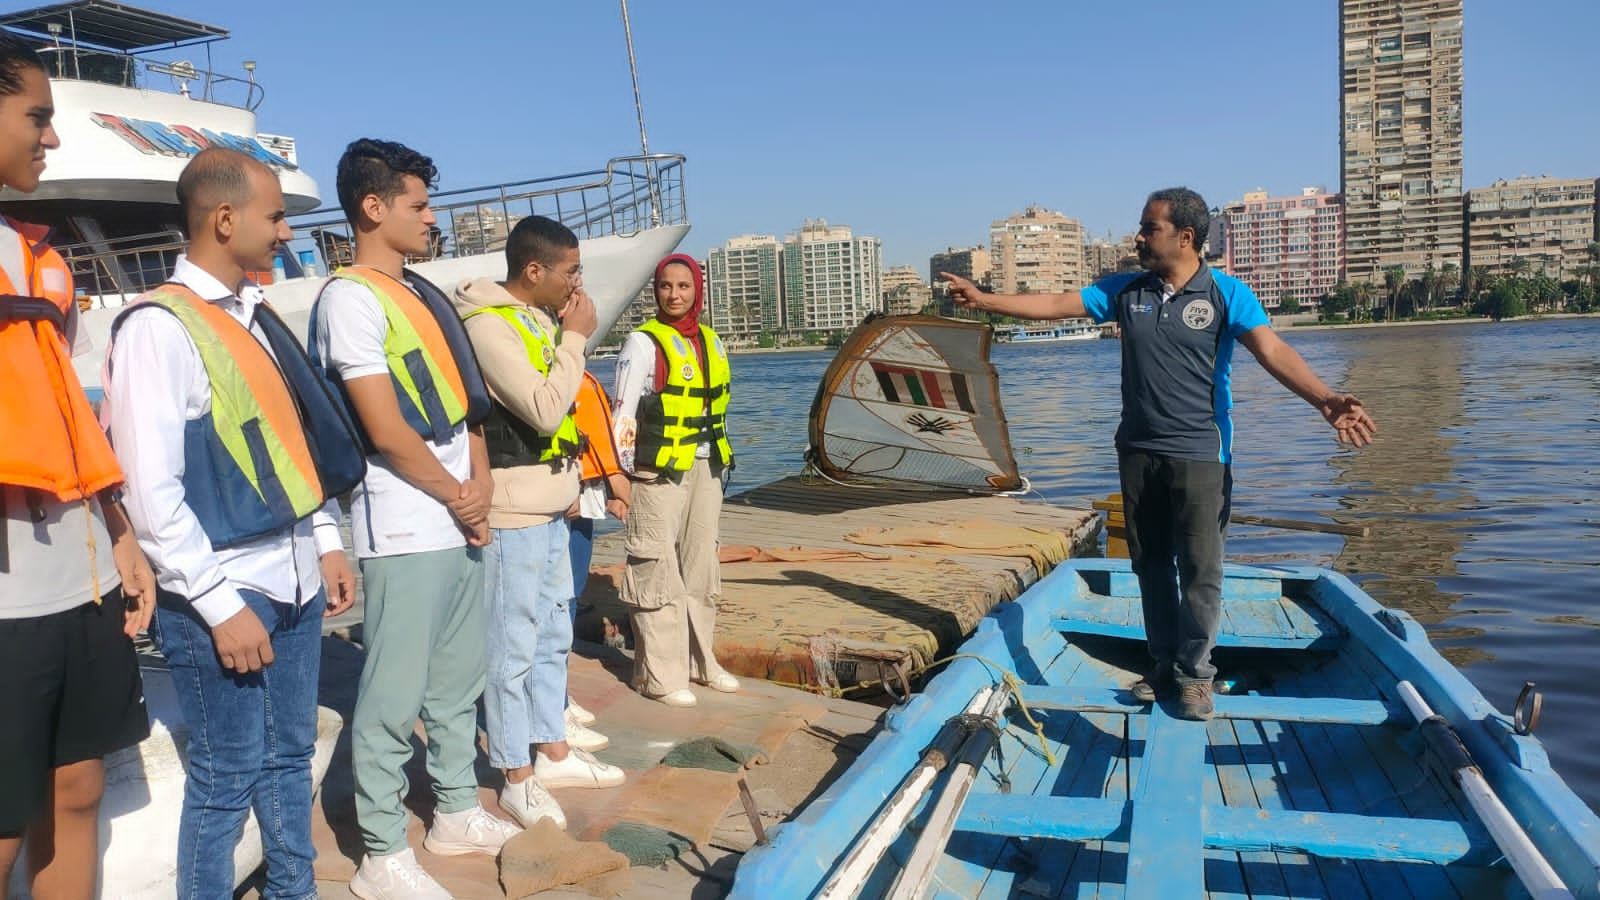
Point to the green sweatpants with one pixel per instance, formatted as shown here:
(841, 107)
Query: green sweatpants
(424, 631)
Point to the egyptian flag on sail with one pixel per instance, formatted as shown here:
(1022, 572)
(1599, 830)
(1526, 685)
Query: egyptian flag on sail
(923, 387)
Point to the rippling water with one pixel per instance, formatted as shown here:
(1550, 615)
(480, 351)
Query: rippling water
(1481, 491)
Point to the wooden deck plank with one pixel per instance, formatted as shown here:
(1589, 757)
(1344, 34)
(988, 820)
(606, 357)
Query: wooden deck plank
(1167, 823)
(1251, 706)
(1300, 875)
(1232, 787)
(1435, 799)
(1106, 738)
(1124, 622)
(1294, 787)
(1073, 746)
(1364, 789)
(1112, 857)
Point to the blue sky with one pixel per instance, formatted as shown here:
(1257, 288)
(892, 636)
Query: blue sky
(917, 122)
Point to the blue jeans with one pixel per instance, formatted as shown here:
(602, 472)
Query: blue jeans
(528, 586)
(582, 547)
(251, 738)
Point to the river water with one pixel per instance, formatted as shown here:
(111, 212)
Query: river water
(1482, 491)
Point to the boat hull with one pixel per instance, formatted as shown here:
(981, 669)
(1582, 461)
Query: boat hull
(1311, 780)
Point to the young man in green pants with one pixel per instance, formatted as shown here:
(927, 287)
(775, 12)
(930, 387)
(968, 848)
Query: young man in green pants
(394, 345)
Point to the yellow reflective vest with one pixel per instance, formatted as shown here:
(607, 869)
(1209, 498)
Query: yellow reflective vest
(275, 444)
(513, 442)
(690, 409)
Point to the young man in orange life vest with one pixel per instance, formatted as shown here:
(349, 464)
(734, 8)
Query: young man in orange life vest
(74, 587)
(235, 451)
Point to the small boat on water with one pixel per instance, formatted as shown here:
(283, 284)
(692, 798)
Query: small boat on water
(1346, 758)
(1043, 334)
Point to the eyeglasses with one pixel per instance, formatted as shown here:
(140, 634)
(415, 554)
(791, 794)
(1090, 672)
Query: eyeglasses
(575, 274)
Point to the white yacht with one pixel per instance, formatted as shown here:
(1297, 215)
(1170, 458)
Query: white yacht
(139, 92)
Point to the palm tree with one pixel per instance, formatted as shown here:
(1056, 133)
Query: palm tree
(1394, 278)
(1449, 279)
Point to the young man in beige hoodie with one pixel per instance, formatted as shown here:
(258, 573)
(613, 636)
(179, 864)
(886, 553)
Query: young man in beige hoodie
(533, 363)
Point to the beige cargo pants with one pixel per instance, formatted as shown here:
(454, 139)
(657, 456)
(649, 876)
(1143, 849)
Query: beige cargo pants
(673, 579)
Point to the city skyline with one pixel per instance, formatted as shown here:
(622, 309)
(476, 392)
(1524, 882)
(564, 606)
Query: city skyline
(885, 115)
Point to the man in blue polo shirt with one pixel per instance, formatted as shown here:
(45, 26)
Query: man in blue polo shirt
(1179, 320)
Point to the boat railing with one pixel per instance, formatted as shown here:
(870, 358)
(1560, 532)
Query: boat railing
(122, 267)
(197, 82)
(631, 194)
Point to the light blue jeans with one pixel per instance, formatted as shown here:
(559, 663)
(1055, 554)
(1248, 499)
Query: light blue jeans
(251, 738)
(528, 586)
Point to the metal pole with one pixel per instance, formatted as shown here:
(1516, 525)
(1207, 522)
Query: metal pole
(638, 106)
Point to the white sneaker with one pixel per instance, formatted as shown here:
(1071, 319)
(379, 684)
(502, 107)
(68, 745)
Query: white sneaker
(683, 698)
(528, 802)
(472, 830)
(395, 876)
(721, 681)
(581, 737)
(579, 714)
(579, 770)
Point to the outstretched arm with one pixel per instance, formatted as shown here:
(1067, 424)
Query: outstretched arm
(1022, 306)
(1343, 411)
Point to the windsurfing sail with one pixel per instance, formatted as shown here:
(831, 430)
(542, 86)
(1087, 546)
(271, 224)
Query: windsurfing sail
(914, 398)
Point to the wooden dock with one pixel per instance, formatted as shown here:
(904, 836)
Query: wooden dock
(825, 587)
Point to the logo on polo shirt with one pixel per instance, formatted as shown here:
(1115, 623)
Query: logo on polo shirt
(1199, 314)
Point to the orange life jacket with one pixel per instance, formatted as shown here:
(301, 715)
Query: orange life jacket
(592, 412)
(50, 440)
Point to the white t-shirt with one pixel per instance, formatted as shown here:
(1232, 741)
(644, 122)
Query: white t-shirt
(50, 561)
(388, 515)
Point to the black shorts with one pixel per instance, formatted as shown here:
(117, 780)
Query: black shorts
(69, 691)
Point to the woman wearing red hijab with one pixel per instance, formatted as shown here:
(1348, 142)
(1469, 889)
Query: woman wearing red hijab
(671, 393)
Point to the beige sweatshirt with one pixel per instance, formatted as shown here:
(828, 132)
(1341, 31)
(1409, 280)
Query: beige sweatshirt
(536, 494)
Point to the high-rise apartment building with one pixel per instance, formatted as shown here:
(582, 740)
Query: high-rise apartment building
(1104, 256)
(1400, 135)
(971, 263)
(1549, 222)
(1037, 251)
(1285, 246)
(904, 292)
(831, 278)
(745, 287)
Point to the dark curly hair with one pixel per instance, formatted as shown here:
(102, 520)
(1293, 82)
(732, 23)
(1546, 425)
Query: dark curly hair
(1185, 209)
(370, 166)
(15, 55)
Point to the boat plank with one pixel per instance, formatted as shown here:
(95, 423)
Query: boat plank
(1166, 811)
(1112, 857)
(1369, 789)
(1431, 799)
(1300, 876)
(1073, 742)
(1224, 870)
(1294, 788)
(1330, 710)
(1232, 787)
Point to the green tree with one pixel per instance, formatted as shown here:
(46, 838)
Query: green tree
(1394, 278)
(1289, 305)
(1446, 285)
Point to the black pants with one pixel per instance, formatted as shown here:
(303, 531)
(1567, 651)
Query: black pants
(1177, 513)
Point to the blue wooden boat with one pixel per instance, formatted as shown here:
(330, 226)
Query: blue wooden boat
(1314, 778)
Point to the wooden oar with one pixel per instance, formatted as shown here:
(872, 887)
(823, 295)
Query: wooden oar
(1530, 865)
(874, 842)
(1299, 525)
(912, 884)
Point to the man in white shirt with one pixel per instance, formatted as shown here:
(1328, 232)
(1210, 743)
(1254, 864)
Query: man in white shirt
(233, 458)
(394, 345)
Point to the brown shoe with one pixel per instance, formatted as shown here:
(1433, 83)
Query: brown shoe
(1194, 701)
(1157, 684)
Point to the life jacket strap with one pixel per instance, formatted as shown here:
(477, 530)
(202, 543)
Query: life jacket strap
(15, 308)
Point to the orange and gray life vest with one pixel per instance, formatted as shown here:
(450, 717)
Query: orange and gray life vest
(50, 441)
(690, 409)
(511, 441)
(435, 373)
(276, 443)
